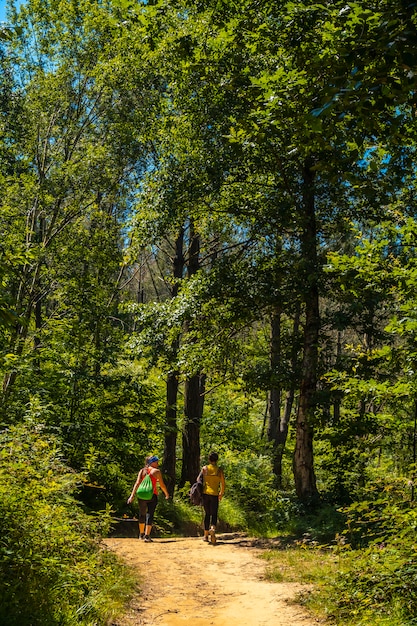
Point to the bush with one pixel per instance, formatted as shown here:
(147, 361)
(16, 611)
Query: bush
(52, 568)
(379, 575)
(249, 480)
(319, 523)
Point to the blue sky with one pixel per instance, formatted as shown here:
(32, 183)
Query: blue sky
(2, 16)
(3, 9)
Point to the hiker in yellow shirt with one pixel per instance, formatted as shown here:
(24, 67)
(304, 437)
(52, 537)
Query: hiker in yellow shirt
(213, 490)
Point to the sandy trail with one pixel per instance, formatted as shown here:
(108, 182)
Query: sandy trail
(185, 580)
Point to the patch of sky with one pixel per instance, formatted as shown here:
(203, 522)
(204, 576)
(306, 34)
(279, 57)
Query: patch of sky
(3, 9)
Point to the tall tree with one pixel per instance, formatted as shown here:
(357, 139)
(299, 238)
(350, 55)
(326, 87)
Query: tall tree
(171, 415)
(194, 384)
(251, 81)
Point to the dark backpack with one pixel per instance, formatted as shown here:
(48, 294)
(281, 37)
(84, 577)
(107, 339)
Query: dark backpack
(196, 491)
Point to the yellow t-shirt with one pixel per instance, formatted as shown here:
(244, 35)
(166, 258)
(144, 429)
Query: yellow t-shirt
(212, 480)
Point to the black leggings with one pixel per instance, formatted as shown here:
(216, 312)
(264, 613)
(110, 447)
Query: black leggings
(147, 510)
(211, 507)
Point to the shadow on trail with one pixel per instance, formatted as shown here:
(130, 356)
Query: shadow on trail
(128, 528)
(234, 539)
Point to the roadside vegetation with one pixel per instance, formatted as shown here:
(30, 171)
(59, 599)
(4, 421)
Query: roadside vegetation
(53, 569)
(366, 572)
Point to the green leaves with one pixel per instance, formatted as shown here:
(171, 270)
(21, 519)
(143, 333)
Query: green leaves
(381, 578)
(48, 543)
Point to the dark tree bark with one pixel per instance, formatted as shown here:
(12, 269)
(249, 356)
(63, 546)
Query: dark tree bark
(193, 410)
(171, 426)
(280, 420)
(338, 397)
(171, 430)
(275, 361)
(194, 388)
(303, 462)
(275, 394)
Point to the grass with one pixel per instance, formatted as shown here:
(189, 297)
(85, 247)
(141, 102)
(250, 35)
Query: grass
(301, 565)
(310, 566)
(317, 568)
(181, 518)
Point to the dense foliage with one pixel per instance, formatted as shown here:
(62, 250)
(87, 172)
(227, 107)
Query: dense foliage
(52, 567)
(208, 241)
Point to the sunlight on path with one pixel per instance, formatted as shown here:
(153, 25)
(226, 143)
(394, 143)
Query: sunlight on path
(187, 581)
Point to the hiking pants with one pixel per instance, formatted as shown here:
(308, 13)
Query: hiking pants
(147, 510)
(211, 507)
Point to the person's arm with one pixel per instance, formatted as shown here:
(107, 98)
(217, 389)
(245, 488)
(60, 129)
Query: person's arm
(135, 486)
(222, 485)
(160, 479)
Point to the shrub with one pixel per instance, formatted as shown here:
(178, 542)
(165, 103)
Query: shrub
(52, 568)
(379, 574)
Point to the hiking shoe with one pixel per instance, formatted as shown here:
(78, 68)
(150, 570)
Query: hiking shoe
(212, 534)
(142, 536)
(205, 539)
(147, 539)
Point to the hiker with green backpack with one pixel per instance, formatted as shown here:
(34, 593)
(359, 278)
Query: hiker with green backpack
(146, 488)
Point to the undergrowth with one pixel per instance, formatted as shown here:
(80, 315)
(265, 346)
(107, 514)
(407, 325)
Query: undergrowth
(53, 569)
(367, 574)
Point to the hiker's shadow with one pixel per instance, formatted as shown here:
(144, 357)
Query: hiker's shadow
(219, 542)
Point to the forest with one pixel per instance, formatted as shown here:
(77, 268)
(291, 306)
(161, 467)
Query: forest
(208, 242)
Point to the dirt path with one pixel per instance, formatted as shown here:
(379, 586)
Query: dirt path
(189, 581)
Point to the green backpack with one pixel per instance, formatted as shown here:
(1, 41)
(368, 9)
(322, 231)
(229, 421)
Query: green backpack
(145, 489)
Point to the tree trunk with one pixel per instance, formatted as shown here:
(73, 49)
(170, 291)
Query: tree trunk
(193, 410)
(171, 426)
(27, 301)
(338, 396)
(275, 395)
(281, 433)
(171, 430)
(194, 388)
(275, 360)
(304, 476)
